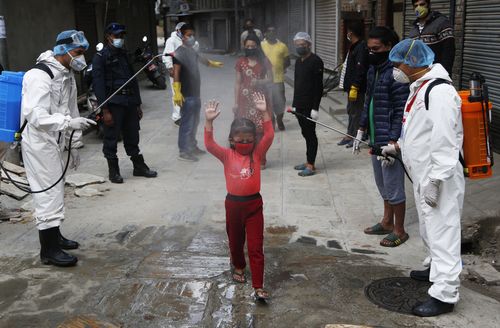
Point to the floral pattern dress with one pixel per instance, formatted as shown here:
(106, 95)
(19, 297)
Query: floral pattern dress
(246, 107)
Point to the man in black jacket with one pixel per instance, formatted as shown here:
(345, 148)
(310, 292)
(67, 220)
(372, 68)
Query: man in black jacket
(121, 115)
(307, 94)
(435, 30)
(353, 78)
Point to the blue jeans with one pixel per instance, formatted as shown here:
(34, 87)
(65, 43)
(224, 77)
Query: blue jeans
(190, 119)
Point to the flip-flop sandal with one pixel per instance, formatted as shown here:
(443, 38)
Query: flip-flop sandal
(307, 172)
(243, 278)
(377, 229)
(300, 167)
(261, 295)
(391, 240)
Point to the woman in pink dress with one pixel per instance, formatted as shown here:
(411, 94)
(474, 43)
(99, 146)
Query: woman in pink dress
(253, 75)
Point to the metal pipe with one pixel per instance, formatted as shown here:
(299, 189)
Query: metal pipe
(129, 80)
(327, 126)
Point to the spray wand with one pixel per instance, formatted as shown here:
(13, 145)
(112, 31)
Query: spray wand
(375, 150)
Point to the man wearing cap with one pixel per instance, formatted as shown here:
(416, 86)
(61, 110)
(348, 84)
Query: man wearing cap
(50, 112)
(430, 143)
(307, 94)
(122, 113)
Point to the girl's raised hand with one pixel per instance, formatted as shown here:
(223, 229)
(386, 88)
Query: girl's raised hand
(260, 101)
(212, 110)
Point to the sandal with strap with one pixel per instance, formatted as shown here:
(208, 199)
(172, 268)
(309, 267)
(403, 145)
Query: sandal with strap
(377, 229)
(300, 167)
(261, 295)
(392, 240)
(307, 172)
(238, 277)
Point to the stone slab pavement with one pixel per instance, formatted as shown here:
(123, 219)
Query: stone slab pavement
(154, 251)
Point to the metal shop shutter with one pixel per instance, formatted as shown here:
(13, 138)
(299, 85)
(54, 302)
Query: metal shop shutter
(482, 53)
(325, 38)
(443, 6)
(296, 19)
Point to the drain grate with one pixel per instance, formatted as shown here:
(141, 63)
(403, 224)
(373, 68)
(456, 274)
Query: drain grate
(399, 294)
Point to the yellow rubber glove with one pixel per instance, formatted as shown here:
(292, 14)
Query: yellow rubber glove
(353, 93)
(214, 63)
(178, 97)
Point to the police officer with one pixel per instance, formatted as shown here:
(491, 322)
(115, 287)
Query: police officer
(111, 70)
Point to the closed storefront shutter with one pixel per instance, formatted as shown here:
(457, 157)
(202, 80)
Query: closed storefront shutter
(482, 53)
(325, 38)
(296, 19)
(443, 6)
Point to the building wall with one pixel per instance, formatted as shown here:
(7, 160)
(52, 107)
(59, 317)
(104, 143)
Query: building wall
(32, 27)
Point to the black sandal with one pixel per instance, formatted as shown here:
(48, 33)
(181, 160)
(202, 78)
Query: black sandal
(261, 295)
(241, 275)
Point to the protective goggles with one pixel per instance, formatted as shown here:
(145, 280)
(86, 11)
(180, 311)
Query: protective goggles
(77, 38)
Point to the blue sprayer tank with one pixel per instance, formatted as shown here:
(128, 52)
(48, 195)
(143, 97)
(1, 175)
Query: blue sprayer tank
(11, 84)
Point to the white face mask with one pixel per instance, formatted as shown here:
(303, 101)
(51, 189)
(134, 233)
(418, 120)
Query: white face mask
(400, 76)
(118, 43)
(77, 63)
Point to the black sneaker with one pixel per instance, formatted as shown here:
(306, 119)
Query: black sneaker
(177, 122)
(187, 157)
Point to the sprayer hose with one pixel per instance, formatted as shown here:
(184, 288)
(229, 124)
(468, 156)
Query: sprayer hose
(23, 188)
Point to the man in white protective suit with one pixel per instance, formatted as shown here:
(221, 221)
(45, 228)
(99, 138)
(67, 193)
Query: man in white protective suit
(430, 144)
(50, 111)
(171, 45)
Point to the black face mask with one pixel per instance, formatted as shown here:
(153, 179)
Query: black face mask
(302, 51)
(378, 58)
(251, 52)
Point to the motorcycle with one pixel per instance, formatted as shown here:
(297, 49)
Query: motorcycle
(156, 71)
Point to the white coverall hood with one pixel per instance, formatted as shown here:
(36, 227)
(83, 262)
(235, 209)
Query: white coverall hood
(48, 105)
(430, 144)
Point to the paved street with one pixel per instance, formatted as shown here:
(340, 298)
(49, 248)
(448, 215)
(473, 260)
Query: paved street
(154, 252)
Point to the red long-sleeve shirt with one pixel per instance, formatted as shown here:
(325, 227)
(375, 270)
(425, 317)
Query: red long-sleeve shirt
(242, 179)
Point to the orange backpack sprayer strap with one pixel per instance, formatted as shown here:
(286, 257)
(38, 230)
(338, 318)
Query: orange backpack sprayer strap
(426, 101)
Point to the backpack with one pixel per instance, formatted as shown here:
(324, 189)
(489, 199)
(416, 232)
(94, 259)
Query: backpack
(46, 69)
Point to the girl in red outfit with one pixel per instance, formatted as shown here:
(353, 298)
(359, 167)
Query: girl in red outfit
(253, 74)
(243, 202)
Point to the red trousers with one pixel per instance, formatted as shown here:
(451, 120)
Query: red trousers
(246, 219)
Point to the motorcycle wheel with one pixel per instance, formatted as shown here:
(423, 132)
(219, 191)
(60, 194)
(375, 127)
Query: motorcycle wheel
(161, 83)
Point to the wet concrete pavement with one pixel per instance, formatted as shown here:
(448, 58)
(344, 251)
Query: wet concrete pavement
(154, 252)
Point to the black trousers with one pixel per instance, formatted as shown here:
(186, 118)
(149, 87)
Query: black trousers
(126, 122)
(308, 129)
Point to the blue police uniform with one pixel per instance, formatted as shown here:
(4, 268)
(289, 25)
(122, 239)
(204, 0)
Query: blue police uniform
(110, 70)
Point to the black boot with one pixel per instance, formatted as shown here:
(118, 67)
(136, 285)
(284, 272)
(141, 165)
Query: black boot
(141, 169)
(432, 307)
(51, 252)
(114, 171)
(422, 275)
(65, 243)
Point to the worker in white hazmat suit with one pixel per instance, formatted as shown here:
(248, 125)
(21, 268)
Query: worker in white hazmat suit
(172, 43)
(430, 143)
(50, 109)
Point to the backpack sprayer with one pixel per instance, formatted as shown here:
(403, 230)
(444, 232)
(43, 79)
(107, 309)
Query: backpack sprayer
(375, 150)
(10, 107)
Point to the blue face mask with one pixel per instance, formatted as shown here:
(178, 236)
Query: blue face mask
(118, 43)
